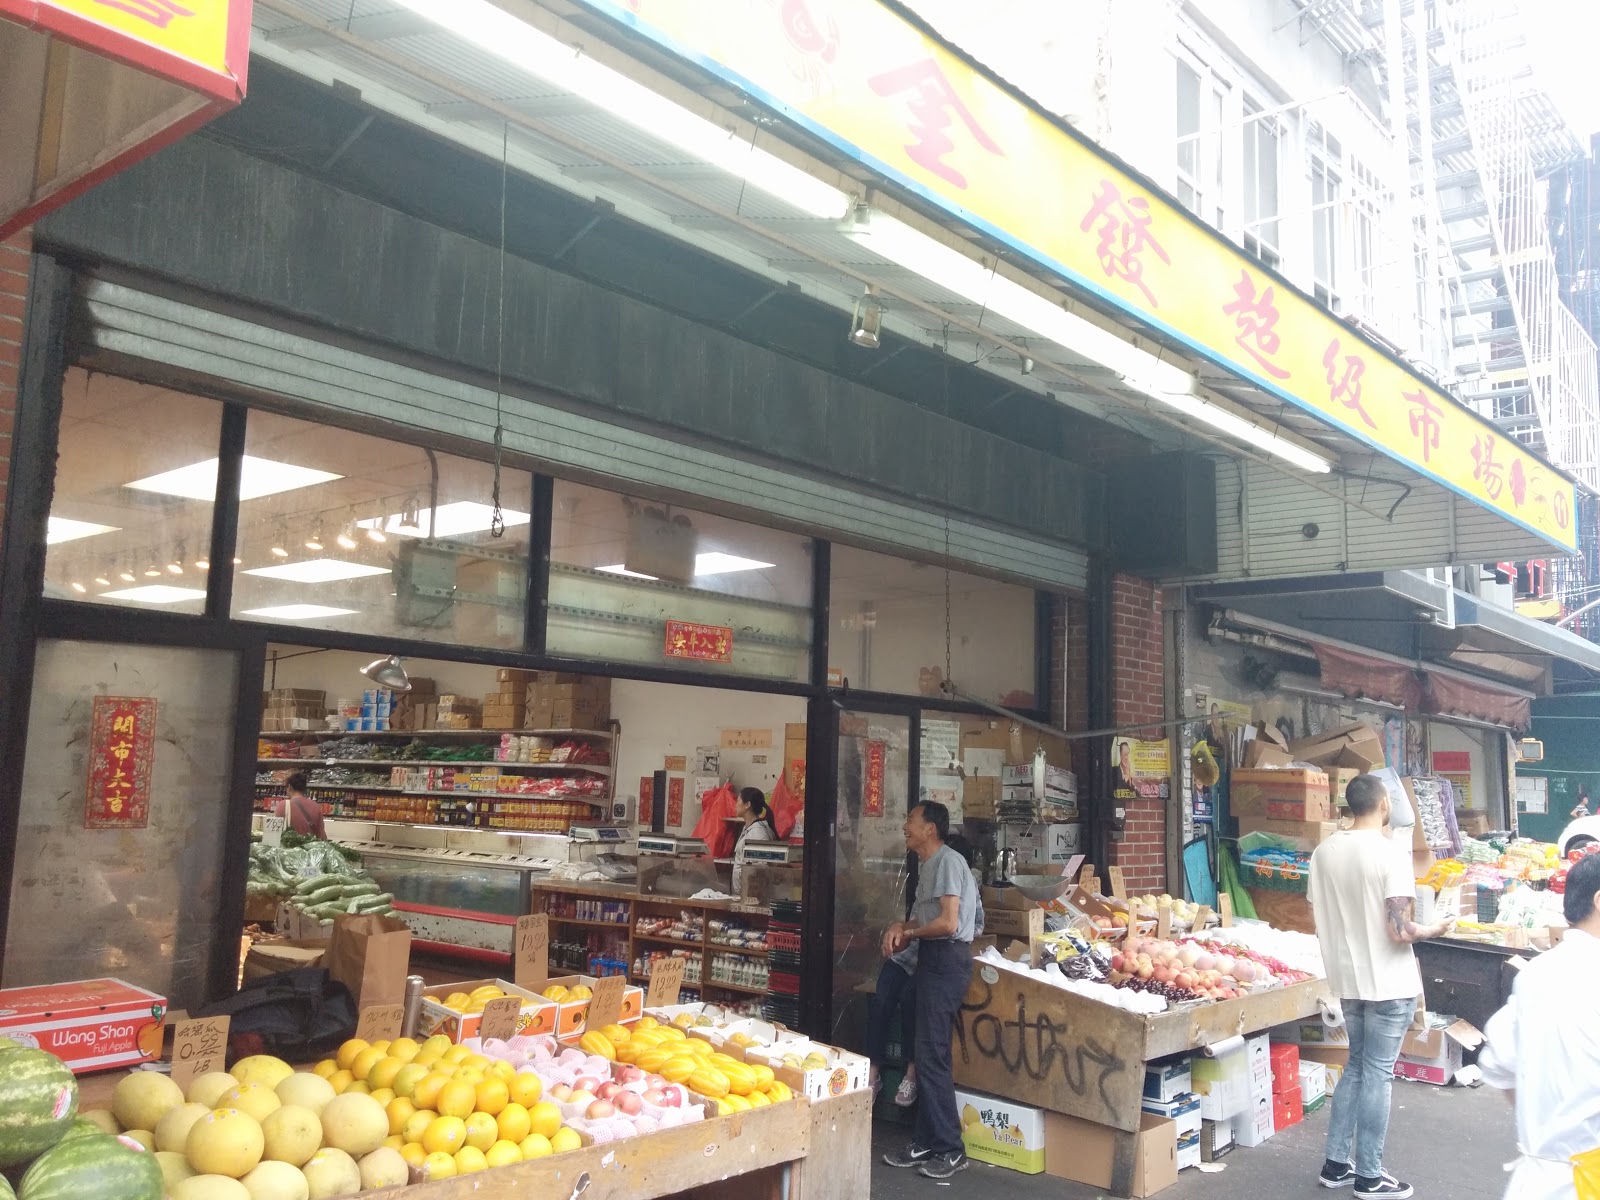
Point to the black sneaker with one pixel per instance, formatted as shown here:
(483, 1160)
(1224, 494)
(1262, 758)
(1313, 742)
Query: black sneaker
(909, 1156)
(1337, 1175)
(1385, 1187)
(943, 1166)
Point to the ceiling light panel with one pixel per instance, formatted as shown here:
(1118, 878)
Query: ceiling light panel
(257, 477)
(318, 570)
(62, 529)
(155, 593)
(297, 612)
(717, 563)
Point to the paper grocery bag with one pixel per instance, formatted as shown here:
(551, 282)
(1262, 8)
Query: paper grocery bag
(370, 955)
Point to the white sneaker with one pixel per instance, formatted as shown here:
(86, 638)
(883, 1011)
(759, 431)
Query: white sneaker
(906, 1094)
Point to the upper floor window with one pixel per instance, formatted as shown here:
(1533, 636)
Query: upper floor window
(1202, 102)
(1327, 189)
(1261, 140)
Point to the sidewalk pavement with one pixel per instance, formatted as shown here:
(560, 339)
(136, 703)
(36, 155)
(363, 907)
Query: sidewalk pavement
(1449, 1143)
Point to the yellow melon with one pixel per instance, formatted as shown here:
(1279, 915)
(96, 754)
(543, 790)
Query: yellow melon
(383, 1168)
(331, 1172)
(225, 1142)
(207, 1089)
(209, 1187)
(254, 1098)
(291, 1134)
(172, 1131)
(276, 1181)
(142, 1098)
(263, 1069)
(174, 1167)
(354, 1123)
(306, 1090)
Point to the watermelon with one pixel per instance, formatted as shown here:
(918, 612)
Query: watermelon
(80, 1127)
(88, 1168)
(5, 1189)
(38, 1099)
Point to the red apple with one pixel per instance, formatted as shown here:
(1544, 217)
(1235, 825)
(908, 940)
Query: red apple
(628, 1073)
(655, 1096)
(629, 1103)
(672, 1096)
(655, 1081)
(585, 1083)
(560, 1093)
(581, 1098)
(600, 1109)
(608, 1091)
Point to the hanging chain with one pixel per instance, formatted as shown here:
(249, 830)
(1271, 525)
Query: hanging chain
(949, 675)
(497, 518)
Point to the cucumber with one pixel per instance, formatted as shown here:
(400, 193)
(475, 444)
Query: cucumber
(320, 897)
(366, 904)
(318, 882)
(365, 887)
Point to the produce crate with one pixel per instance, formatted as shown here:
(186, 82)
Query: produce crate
(1279, 877)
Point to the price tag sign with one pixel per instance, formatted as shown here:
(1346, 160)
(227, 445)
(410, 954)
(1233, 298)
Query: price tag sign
(272, 829)
(1225, 909)
(666, 981)
(606, 1006)
(500, 1018)
(1200, 919)
(1119, 887)
(381, 1021)
(1163, 919)
(530, 951)
(199, 1047)
(1086, 874)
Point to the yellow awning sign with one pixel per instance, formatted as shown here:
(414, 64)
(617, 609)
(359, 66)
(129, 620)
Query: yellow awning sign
(880, 90)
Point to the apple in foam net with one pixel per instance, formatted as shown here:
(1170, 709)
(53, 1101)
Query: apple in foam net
(608, 1090)
(672, 1096)
(560, 1093)
(581, 1098)
(629, 1103)
(655, 1081)
(585, 1083)
(599, 1110)
(654, 1096)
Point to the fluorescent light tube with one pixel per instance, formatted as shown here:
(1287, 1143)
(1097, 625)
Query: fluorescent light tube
(619, 569)
(297, 612)
(155, 593)
(63, 529)
(1229, 423)
(955, 272)
(257, 477)
(317, 570)
(497, 32)
(715, 562)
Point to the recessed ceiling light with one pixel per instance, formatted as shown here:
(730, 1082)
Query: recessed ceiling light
(449, 520)
(717, 563)
(78, 587)
(297, 612)
(619, 569)
(156, 593)
(317, 570)
(63, 529)
(257, 477)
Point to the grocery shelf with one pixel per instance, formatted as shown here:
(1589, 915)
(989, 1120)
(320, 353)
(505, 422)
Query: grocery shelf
(290, 735)
(655, 938)
(564, 768)
(749, 951)
(619, 926)
(736, 987)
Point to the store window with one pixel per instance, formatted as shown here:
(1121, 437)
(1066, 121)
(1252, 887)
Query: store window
(1262, 135)
(1368, 202)
(1202, 98)
(136, 479)
(342, 530)
(641, 581)
(1326, 197)
(889, 629)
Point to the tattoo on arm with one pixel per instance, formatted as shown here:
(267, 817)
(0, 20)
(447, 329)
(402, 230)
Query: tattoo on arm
(1401, 910)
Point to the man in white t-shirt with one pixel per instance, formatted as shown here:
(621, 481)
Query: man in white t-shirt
(1363, 892)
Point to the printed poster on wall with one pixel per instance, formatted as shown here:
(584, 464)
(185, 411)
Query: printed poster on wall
(121, 754)
(1141, 768)
(873, 781)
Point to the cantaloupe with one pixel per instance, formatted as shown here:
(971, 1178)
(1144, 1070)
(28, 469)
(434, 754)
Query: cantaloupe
(276, 1181)
(142, 1098)
(144, 1137)
(254, 1098)
(209, 1187)
(207, 1089)
(292, 1135)
(172, 1131)
(383, 1168)
(354, 1123)
(331, 1172)
(306, 1091)
(225, 1142)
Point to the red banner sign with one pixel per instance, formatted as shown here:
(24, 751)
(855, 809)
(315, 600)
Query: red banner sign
(872, 788)
(675, 801)
(122, 731)
(702, 643)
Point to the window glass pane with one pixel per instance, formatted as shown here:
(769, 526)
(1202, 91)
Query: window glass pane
(1188, 119)
(130, 521)
(640, 581)
(888, 629)
(342, 530)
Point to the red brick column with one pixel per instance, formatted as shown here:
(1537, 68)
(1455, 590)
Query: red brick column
(1138, 665)
(14, 259)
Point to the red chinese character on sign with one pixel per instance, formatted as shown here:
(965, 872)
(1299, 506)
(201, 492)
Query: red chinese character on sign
(1124, 236)
(1256, 318)
(122, 724)
(934, 104)
(1346, 387)
(805, 35)
(1519, 483)
(158, 12)
(1425, 416)
(1487, 471)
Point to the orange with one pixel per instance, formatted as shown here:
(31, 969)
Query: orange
(503, 1154)
(347, 1052)
(325, 1068)
(405, 1049)
(407, 1077)
(482, 1131)
(426, 1092)
(535, 1145)
(414, 1154)
(457, 1099)
(439, 1166)
(383, 1095)
(383, 1072)
(514, 1123)
(502, 1070)
(526, 1089)
(545, 1118)
(341, 1081)
(472, 1075)
(445, 1135)
(365, 1061)
(565, 1139)
(493, 1095)
(469, 1159)
(417, 1124)
(456, 1055)
(400, 1111)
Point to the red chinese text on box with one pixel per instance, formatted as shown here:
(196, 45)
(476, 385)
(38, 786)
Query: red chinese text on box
(702, 643)
(121, 753)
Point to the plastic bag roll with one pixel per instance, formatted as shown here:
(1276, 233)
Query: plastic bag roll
(1225, 1047)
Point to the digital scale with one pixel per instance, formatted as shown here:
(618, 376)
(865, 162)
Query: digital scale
(599, 833)
(671, 845)
(773, 852)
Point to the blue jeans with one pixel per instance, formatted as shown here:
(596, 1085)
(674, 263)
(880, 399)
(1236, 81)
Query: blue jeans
(1360, 1116)
(944, 969)
(896, 993)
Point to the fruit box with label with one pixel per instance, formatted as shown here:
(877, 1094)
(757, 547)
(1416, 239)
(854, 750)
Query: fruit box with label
(824, 1071)
(90, 1025)
(538, 1015)
(574, 1013)
(1002, 1132)
(737, 1037)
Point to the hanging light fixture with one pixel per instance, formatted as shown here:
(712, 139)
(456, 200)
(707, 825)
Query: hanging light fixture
(867, 321)
(314, 542)
(101, 581)
(175, 567)
(126, 574)
(347, 536)
(78, 587)
(410, 518)
(202, 564)
(153, 571)
(388, 673)
(280, 548)
(375, 531)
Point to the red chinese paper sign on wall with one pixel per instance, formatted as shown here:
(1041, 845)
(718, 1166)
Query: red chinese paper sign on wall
(647, 791)
(701, 643)
(122, 733)
(872, 786)
(675, 801)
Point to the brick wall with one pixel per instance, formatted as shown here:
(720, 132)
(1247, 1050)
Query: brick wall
(14, 258)
(1138, 664)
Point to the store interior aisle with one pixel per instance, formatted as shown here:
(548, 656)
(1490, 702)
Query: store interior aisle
(1449, 1143)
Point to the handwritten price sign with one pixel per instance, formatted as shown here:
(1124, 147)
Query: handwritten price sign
(666, 981)
(500, 1018)
(381, 1021)
(606, 1006)
(530, 951)
(199, 1047)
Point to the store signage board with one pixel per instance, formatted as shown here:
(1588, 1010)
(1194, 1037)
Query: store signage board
(150, 70)
(666, 981)
(1452, 762)
(605, 1006)
(861, 77)
(122, 732)
(199, 1047)
(699, 643)
(380, 1021)
(872, 786)
(530, 953)
(747, 739)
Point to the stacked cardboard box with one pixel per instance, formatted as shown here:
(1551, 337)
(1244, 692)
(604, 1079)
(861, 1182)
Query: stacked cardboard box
(1287, 1099)
(557, 700)
(1253, 1123)
(1281, 794)
(416, 709)
(289, 710)
(1356, 746)
(459, 712)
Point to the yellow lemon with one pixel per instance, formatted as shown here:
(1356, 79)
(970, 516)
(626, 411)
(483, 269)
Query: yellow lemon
(347, 1052)
(437, 1044)
(502, 1070)
(545, 1118)
(382, 1044)
(341, 1081)
(417, 1124)
(468, 1075)
(535, 1145)
(325, 1068)
(565, 1139)
(526, 1089)
(479, 1061)
(426, 1092)
(413, 1153)
(399, 1110)
(439, 1166)
(362, 1066)
(383, 1095)
(469, 1160)
(445, 1135)
(428, 1058)
(394, 1142)
(482, 1131)
(457, 1099)
(456, 1055)
(405, 1049)
(406, 1078)
(383, 1072)
(514, 1123)
(493, 1095)
(362, 1086)
(503, 1154)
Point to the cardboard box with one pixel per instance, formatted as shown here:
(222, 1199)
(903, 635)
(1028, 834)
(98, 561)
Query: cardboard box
(1285, 794)
(537, 1015)
(1223, 1084)
(1002, 1132)
(517, 676)
(1183, 1111)
(1285, 1066)
(1012, 922)
(1339, 780)
(1434, 1055)
(1312, 1033)
(1082, 1151)
(844, 1072)
(574, 1013)
(1304, 836)
(980, 797)
(1167, 1080)
(1356, 745)
(1254, 1125)
(1287, 1109)
(1216, 1140)
(91, 1025)
(1057, 780)
(1313, 1081)
(1188, 1153)
(1332, 1059)
(1261, 754)
(1046, 845)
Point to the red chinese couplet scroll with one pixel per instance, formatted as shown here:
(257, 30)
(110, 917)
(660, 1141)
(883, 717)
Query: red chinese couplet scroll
(675, 801)
(872, 791)
(702, 643)
(122, 732)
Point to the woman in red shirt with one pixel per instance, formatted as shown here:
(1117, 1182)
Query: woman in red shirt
(304, 813)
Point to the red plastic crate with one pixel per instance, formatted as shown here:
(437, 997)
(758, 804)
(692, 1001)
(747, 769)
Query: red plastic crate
(1287, 1109)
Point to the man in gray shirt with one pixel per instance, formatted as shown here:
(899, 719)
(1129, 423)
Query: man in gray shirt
(942, 923)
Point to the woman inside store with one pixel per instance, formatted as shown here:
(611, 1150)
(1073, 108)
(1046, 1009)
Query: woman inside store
(752, 809)
(304, 813)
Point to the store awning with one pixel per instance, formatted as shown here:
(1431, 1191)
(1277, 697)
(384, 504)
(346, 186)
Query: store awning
(855, 156)
(92, 86)
(1491, 640)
